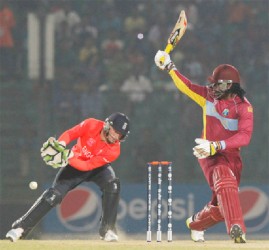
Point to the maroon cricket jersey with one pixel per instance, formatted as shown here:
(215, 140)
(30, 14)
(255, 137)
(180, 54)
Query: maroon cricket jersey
(229, 121)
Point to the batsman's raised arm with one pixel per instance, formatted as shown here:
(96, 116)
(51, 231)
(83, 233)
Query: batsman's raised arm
(196, 92)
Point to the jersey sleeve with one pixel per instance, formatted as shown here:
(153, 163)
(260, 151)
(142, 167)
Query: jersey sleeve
(74, 132)
(194, 91)
(245, 129)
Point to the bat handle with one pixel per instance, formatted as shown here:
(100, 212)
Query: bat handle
(168, 49)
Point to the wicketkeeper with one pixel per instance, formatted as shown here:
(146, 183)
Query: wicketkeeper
(228, 126)
(98, 144)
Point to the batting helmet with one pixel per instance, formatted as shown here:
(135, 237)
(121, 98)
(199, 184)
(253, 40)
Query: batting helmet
(120, 122)
(225, 72)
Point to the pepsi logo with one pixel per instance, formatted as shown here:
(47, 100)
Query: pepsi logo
(255, 208)
(80, 210)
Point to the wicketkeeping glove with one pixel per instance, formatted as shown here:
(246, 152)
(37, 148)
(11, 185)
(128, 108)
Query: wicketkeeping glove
(61, 159)
(55, 154)
(163, 61)
(205, 148)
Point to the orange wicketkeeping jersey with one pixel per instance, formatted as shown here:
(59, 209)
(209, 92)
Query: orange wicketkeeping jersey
(90, 151)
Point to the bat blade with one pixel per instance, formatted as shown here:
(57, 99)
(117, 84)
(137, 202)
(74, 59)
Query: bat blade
(176, 34)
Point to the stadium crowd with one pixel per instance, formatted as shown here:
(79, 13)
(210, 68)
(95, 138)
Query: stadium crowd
(104, 53)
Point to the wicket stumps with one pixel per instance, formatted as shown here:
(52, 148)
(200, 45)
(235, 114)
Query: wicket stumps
(159, 165)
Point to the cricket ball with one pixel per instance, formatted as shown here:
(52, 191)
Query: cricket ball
(33, 185)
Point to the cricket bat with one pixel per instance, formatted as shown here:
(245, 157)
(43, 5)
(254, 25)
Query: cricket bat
(177, 33)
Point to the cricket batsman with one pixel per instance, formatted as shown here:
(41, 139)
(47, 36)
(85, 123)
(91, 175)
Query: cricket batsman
(227, 126)
(97, 145)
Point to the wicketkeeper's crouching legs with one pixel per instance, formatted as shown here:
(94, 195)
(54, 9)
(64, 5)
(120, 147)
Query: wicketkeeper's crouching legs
(110, 202)
(49, 199)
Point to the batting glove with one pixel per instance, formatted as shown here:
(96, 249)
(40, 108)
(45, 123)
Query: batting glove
(205, 148)
(163, 61)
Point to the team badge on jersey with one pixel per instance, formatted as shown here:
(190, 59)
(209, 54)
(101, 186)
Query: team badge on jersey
(90, 142)
(250, 109)
(225, 112)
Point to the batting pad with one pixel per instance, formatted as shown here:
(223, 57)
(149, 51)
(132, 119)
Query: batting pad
(226, 188)
(209, 216)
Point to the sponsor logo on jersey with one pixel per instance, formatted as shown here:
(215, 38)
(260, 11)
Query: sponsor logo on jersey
(225, 112)
(90, 141)
(86, 152)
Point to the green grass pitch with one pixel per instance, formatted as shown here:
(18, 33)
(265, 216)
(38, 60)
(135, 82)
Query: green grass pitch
(129, 245)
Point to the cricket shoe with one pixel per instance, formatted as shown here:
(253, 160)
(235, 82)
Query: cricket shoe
(196, 236)
(14, 234)
(237, 234)
(110, 236)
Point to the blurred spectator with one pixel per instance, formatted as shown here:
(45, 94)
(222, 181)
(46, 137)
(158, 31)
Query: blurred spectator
(148, 149)
(25, 145)
(66, 57)
(64, 34)
(88, 53)
(112, 44)
(160, 81)
(90, 99)
(157, 31)
(85, 29)
(116, 69)
(192, 14)
(7, 24)
(194, 67)
(87, 79)
(238, 12)
(135, 23)
(136, 86)
(66, 20)
(109, 19)
(63, 12)
(135, 56)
